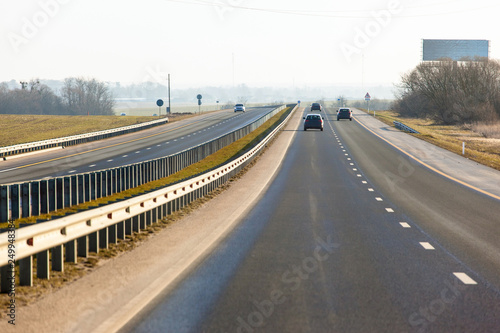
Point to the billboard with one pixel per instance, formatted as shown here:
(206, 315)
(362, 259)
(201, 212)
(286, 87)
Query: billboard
(456, 49)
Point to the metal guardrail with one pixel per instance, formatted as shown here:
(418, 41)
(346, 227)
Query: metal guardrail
(48, 195)
(76, 139)
(64, 239)
(405, 128)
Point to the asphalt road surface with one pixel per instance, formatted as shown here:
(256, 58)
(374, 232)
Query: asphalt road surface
(352, 236)
(127, 149)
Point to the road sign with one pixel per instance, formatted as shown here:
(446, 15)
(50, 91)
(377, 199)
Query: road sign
(199, 96)
(159, 102)
(367, 97)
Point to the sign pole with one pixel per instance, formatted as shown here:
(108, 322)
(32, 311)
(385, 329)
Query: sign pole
(367, 99)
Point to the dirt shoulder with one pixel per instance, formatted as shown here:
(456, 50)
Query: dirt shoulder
(106, 298)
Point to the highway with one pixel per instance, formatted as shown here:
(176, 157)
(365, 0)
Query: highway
(351, 236)
(127, 149)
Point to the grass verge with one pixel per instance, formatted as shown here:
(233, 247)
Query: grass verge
(17, 129)
(450, 137)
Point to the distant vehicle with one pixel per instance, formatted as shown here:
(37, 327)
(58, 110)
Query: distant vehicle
(344, 113)
(239, 107)
(316, 107)
(123, 114)
(155, 115)
(313, 120)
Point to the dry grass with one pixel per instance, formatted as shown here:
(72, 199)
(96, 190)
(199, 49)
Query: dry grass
(487, 130)
(16, 129)
(480, 145)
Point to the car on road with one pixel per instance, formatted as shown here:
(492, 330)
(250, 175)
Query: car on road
(239, 107)
(313, 120)
(344, 113)
(316, 107)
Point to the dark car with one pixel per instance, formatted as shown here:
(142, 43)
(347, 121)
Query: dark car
(316, 107)
(313, 120)
(344, 113)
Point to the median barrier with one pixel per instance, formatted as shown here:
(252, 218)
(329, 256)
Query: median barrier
(91, 230)
(48, 195)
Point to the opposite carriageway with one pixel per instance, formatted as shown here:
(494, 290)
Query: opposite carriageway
(68, 237)
(38, 197)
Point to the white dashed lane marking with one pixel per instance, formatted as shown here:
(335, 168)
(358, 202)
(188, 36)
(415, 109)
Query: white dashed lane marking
(389, 210)
(404, 225)
(464, 278)
(427, 246)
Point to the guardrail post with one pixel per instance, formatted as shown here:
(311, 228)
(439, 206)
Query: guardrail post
(52, 195)
(112, 232)
(135, 224)
(25, 195)
(120, 230)
(6, 276)
(4, 203)
(86, 181)
(81, 188)
(44, 197)
(71, 254)
(67, 192)
(35, 198)
(42, 265)
(74, 190)
(15, 202)
(58, 258)
(98, 185)
(128, 227)
(83, 246)
(155, 213)
(104, 184)
(142, 221)
(103, 238)
(60, 193)
(126, 183)
(26, 271)
(94, 242)
(93, 186)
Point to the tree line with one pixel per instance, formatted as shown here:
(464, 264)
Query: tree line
(78, 96)
(451, 92)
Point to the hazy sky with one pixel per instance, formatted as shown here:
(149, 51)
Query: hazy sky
(213, 42)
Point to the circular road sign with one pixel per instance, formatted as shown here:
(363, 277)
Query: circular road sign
(198, 96)
(159, 102)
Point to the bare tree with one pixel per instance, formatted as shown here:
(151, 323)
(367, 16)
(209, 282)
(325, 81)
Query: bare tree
(90, 97)
(451, 91)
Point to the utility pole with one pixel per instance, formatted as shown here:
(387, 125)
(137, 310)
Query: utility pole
(169, 110)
